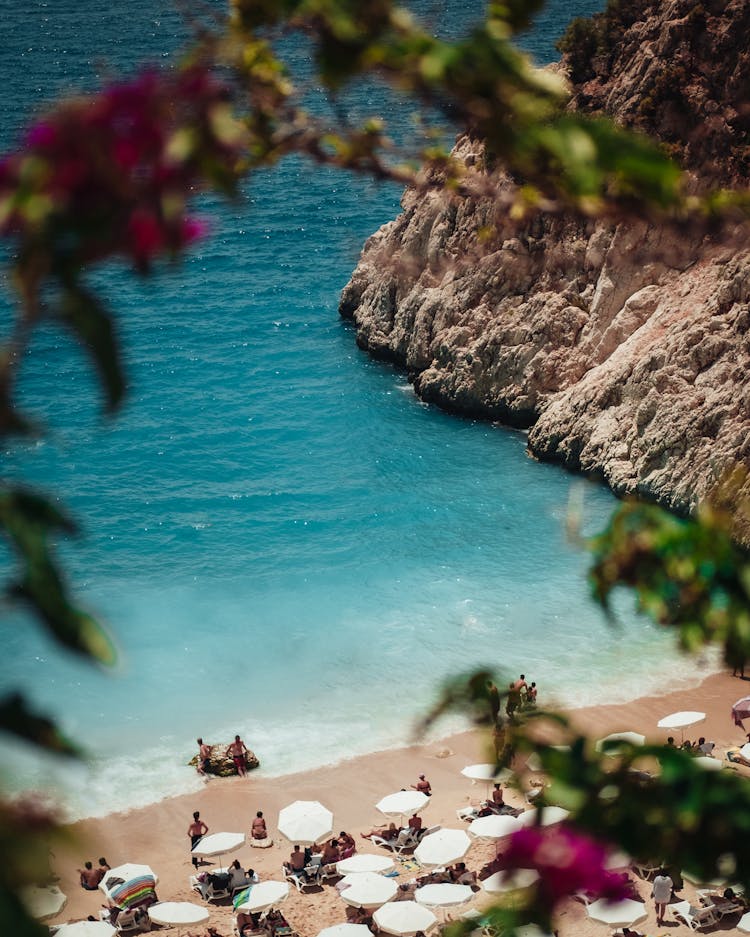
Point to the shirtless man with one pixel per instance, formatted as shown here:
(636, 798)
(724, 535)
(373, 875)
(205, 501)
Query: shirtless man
(423, 785)
(330, 852)
(196, 831)
(204, 756)
(296, 860)
(238, 751)
(258, 829)
(90, 877)
(494, 804)
(520, 684)
(415, 822)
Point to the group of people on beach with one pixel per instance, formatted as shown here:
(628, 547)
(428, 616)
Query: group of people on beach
(91, 877)
(237, 750)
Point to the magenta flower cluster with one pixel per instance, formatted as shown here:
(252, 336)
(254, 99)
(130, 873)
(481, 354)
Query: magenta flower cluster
(567, 862)
(113, 173)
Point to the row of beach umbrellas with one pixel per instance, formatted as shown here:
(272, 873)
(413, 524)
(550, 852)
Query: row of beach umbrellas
(308, 822)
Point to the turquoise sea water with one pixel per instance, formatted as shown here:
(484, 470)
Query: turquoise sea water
(285, 542)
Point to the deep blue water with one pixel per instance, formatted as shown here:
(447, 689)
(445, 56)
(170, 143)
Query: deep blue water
(275, 528)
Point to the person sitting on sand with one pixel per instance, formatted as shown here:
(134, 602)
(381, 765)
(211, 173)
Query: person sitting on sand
(704, 747)
(423, 785)
(384, 832)
(104, 865)
(90, 877)
(238, 751)
(258, 827)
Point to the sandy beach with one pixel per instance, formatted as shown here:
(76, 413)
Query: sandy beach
(157, 834)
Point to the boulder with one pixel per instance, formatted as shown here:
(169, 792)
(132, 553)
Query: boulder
(221, 765)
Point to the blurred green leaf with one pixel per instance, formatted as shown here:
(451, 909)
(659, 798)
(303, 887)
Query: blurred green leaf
(18, 719)
(29, 520)
(87, 318)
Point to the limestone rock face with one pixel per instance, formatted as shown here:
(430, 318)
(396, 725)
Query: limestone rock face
(222, 765)
(625, 348)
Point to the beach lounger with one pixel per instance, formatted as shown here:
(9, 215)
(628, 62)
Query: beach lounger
(406, 839)
(300, 880)
(328, 871)
(213, 888)
(685, 913)
(721, 906)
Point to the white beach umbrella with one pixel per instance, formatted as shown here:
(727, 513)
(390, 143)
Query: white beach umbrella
(86, 929)
(494, 827)
(443, 895)
(510, 880)
(487, 773)
(126, 872)
(264, 895)
(364, 862)
(42, 903)
(218, 844)
(680, 720)
(617, 913)
(305, 822)
(177, 913)
(368, 889)
(402, 802)
(631, 738)
(345, 930)
(442, 847)
(482, 772)
(404, 918)
(744, 923)
(547, 814)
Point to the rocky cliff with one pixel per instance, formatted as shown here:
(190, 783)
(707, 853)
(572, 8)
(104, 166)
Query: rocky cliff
(624, 348)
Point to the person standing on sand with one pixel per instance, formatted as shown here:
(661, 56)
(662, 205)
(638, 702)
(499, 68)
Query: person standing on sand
(662, 894)
(204, 758)
(196, 831)
(238, 751)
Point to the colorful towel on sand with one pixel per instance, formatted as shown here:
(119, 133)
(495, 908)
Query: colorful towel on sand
(409, 865)
(134, 892)
(241, 897)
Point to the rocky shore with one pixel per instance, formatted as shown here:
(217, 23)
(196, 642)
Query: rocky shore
(623, 347)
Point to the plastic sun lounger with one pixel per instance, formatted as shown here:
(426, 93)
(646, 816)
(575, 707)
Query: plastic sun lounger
(685, 913)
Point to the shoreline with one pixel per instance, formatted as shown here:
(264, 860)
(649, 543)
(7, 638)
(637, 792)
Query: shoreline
(156, 834)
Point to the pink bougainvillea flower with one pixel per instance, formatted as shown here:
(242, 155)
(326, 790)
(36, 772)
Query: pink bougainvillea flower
(567, 862)
(114, 173)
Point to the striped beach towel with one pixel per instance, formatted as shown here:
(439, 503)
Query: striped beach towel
(134, 892)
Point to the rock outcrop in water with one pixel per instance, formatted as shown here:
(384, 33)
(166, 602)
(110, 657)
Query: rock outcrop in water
(221, 765)
(624, 348)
